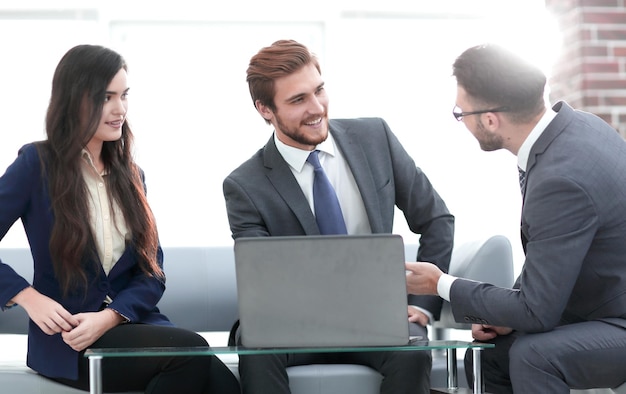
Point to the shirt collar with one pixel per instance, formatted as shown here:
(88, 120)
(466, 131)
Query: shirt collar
(524, 150)
(89, 161)
(87, 157)
(296, 158)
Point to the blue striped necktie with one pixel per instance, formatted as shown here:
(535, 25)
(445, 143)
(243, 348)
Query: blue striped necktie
(327, 209)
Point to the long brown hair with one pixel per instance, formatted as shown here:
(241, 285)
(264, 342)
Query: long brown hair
(76, 104)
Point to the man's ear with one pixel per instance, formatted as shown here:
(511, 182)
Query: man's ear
(264, 110)
(492, 121)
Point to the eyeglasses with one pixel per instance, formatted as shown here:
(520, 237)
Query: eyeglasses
(458, 114)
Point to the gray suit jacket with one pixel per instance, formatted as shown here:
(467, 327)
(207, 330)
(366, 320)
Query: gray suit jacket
(263, 197)
(573, 230)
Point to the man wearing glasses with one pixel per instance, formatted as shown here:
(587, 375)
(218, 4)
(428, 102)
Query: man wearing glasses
(563, 325)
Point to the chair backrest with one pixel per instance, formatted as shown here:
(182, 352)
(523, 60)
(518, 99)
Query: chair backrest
(487, 260)
(201, 288)
(200, 295)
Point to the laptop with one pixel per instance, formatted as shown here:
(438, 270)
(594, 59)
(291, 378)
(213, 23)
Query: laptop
(322, 291)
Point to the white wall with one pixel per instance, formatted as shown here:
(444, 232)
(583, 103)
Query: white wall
(193, 118)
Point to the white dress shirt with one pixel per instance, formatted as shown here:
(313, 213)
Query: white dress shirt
(340, 176)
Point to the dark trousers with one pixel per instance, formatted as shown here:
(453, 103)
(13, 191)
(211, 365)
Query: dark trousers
(494, 365)
(402, 371)
(156, 375)
(579, 356)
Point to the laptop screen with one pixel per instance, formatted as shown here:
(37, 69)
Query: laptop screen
(339, 290)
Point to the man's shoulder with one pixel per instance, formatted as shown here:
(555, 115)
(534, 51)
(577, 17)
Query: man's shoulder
(346, 123)
(251, 165)
(361, 128)
(576, 120)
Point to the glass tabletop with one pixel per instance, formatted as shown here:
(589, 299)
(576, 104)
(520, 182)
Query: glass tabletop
(241, 350)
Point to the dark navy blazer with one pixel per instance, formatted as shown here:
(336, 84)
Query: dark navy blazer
(24, 195)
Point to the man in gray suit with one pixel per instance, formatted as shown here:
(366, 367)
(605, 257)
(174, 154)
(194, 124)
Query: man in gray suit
(271, 194)
(563, 325)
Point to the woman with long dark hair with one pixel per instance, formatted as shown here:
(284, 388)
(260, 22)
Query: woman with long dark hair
(98, 265)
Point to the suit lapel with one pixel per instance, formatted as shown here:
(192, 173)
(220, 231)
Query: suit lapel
(359, 164)
(121, 264)
(280, 176)
(555, 128)
(558, 124)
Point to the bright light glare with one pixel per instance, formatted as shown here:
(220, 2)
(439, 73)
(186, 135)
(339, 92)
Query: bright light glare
(187, 67)
(531, 32)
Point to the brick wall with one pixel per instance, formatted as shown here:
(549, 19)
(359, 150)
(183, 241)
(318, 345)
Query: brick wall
(591, 71)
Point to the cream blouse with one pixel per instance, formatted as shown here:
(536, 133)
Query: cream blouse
(107, 221)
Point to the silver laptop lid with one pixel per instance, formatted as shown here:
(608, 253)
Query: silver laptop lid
(303, 291)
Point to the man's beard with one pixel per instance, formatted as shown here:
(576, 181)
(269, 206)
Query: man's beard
(488, 141)
(301, 137)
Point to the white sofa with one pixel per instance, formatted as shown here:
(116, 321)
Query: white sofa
(201, 295)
